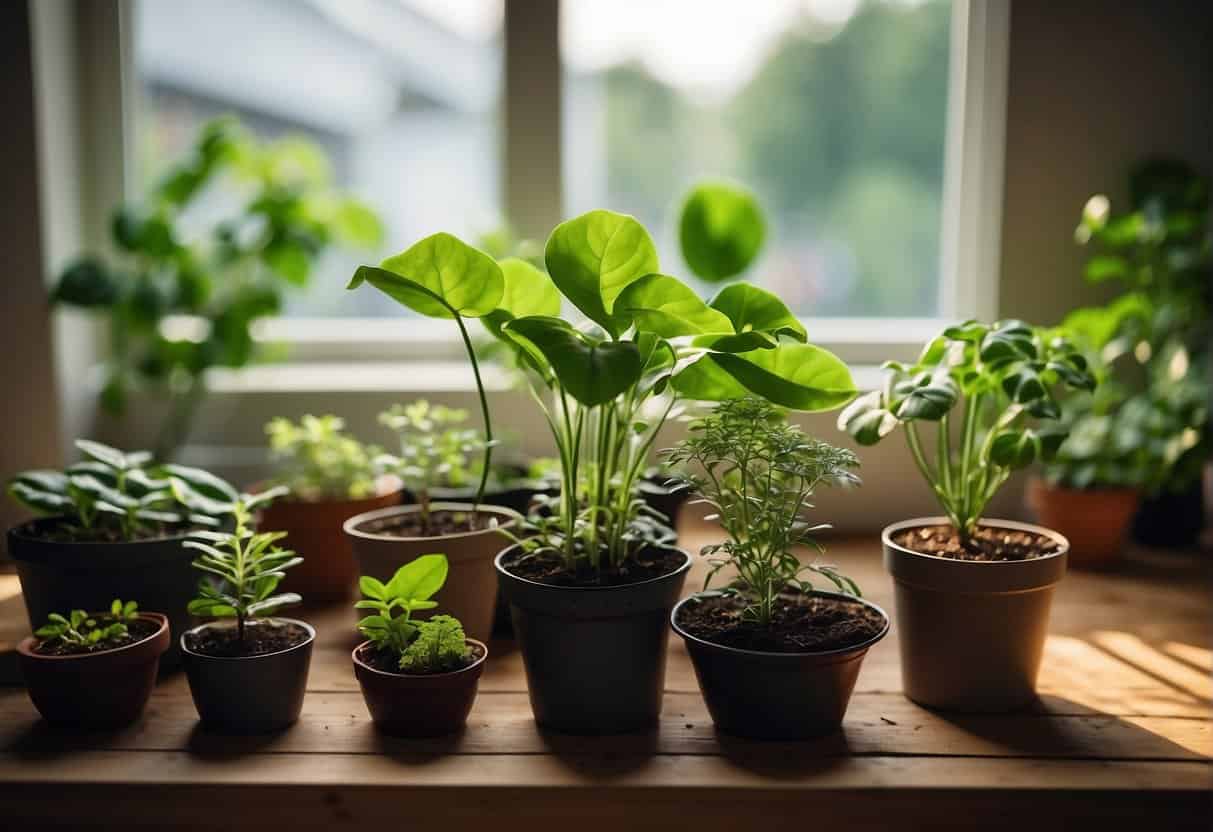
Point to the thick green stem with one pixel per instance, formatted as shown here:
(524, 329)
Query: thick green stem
(484, 410)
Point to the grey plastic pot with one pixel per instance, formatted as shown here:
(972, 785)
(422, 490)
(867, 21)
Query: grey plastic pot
(249, 694)
(972, 633)
(594, 657)
(776, 696)
(470, 592)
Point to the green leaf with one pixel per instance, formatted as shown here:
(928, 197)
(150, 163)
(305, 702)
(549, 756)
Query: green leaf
(1009, 341)
(750, 308)
(721, 230)
(91, 485)
(289, 260)
(1024, 385)
(593, 372)
(797, 376)
(437, 275)
(927, 396)
(43, 502)
(1105, 267)
(418, 579)
(740, 342)
(53, 482)
(866, 419)
(666, 306)
(592, 259)
(1015, 449)
(112, 457)
(273, 602)
(528, 290)
(372, 588)
(356, 224)
(87, 283)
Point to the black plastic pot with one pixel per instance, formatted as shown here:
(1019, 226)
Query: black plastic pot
(249, 694)
(1172, 520)
(63, 576)
(594, 657)
(776, 696)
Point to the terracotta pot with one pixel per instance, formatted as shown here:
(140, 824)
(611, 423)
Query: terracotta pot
(405, 705)
(107, 689)
(594, 657)
(971, 632)
(470, 593)
(249, 694)
(777, 696)
(60, 576)
(328, 571)
(1095, 521)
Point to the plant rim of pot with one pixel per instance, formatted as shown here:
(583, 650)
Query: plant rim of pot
(886, 537)
(220, 623)
(351, 526)
(26, 646)
(471, 642)
(500, 566)
(741, 651)
(21, 530)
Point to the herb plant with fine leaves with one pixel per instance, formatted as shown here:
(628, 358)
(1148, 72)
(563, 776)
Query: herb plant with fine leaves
(319, 460)
(78, 629)
(759, 474)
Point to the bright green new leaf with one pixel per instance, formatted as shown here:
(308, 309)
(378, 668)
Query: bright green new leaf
(528, 291)
(796, 376)
(721, 230)
(418, 579)
(667, 307)
(591, 371)
(440, 277)
(751, 308)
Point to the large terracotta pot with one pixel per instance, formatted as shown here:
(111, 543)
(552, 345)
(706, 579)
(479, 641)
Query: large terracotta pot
(972, 633)
(1095, 521)
(470, 592)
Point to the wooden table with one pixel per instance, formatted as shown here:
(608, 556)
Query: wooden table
(1121, 737)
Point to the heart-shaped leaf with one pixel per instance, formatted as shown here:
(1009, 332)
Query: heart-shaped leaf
(721, 230)
(440, 277)
(666, 306)
(750, 308)
(796, 376)
(418, 579)
(528, 291)
(592, 371)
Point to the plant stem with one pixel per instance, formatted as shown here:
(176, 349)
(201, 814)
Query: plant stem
(484, 410)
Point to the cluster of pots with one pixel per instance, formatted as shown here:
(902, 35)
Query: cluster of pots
(971, 634)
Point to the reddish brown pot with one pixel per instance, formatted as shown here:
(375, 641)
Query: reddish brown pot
(405, 705)
(108, 689)
(313, 529)
(1095, 521)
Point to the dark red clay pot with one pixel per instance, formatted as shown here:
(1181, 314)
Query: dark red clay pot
(405, 705)
(93, 691)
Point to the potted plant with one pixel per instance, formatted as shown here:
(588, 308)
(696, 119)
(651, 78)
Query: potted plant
(331, 477)
(247, 672)
(435, 448)
(775, 657)
(94, 670)
(112, 525)
(973, 593)
(418, 678)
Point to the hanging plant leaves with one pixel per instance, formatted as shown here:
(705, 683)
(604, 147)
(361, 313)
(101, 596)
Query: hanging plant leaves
(590, 370)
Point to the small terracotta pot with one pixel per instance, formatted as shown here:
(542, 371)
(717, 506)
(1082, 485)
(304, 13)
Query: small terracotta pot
(405, 705)
(776, 696)
(1095, 521)
(972, 632)
(313, 530)
(470, 593)
(249, 694)
(107, 689)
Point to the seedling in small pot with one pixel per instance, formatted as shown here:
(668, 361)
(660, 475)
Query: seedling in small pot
(79, 632)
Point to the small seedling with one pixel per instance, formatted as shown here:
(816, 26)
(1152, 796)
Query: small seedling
(320, 460)
(79, 629)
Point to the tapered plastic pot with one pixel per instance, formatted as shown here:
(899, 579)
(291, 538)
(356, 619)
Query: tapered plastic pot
(249, 694)
(594, 657)
(776, 696)
(470, 592)
(1096, 521)
(92, 691)
(313, 530)
(410, 705)
(972, 633)
(59, 576)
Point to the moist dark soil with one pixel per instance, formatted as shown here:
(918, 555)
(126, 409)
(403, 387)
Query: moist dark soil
(441, 523)
(987, 544)
(136, 631)
(260, 638)
(551, 569)
(388, 662)
(60, 532)
(799, 624)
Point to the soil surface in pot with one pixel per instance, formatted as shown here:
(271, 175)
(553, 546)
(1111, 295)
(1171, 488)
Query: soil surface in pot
(136, 631)
(386, 661)
(799, 624)
(441, 523)
(67, 533)
(987, 544)
(260, 638)
(550, 569)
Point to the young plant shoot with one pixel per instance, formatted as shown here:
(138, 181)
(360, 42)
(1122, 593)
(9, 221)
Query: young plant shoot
(81, 632)
(320, 460)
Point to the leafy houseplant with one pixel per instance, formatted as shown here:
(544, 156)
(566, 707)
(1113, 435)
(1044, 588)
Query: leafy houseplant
(94, 670)
(998, 382)
(774, 657)
(250, 676)
(232, 273)
(419, 677)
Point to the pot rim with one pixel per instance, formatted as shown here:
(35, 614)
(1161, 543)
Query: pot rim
(222, 623)
(497, 563)
(21, 532)
(886, 537)
(350, 526)
(484, 655)
(391, 485)
(26, 646)
(766, 654)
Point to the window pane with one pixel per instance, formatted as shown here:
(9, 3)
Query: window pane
(833, 111)
(402, 95)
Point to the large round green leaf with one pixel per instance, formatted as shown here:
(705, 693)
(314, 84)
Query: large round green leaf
(667, 307)
(796, 376)
(721, 230)
(591, 371)
(592, 258)
(754, 309)
(528, 291)
(437, 276)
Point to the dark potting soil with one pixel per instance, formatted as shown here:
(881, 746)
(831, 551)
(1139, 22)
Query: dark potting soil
(61, 532)
(987, 544)
(550, 569)
(260, 638)
(441, 523)
(136, 631)
(386, 661)
(799, 624)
